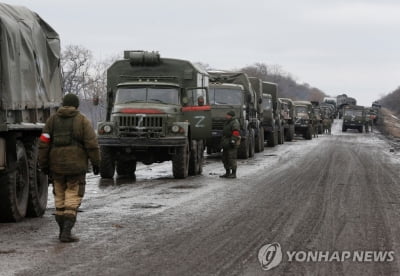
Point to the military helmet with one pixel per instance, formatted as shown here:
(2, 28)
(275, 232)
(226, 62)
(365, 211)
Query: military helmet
(71, 100)
(231, 113)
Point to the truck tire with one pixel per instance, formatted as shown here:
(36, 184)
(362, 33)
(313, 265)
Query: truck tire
(290, 133)
(257, 139)
(14, 188)
(126, 168)
(38, 183)
(281, 136)
(272, 138)
(344, 129)
(243, 150)
(262, 139)
(360, 129)
(308, 134)
(107, 164)
(196, 157)
(180, 162)
(252, 143)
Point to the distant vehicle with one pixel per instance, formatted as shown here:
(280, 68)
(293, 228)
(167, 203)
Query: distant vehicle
(318, 124)
(288, 115)
(30, 79)
(353, 118)
(233, 91)
(157, 110)
(272, 122)
(304, 120)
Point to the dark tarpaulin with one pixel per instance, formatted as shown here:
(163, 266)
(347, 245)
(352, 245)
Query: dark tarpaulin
(30, 60)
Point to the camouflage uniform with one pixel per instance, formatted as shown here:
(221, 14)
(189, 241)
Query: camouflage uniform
(229, 143)
(64, 155)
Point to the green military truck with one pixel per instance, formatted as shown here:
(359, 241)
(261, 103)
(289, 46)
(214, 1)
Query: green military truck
(233, 91)
(30, 79)
(157, 110)
(353, 117)
(304, 120)
(257, 85)
(271, 120)
(288, 115)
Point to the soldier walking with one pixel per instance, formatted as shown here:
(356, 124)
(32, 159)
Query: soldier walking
(67, 142)
(230, 143)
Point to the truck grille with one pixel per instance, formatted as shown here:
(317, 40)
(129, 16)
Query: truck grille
(141, 126)
(217, 124)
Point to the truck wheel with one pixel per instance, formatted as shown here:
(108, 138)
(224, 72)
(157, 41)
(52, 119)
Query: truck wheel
(126, 168)
(38, 183)
(107, 164)
(180, 162)
(194, 161)
(262, 138)
(308, 135)
(360, 129)
(272, 138)
(243, 151)
(251, 143)
(200, 146)
(344, 129)
(290, 135)
(257, 142)
(281, 136)
(14, 188)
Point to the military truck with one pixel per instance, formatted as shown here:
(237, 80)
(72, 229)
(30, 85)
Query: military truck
(271, 120)
(157, 110)
(353, 118)
(233, 91)
(30, 79)
(288, 114)
(304, 120)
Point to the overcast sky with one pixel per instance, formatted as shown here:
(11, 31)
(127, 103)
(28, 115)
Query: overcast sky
(339, 46)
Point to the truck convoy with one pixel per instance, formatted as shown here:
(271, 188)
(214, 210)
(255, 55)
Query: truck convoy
(233, 91)
(30, 79)
(157, 110)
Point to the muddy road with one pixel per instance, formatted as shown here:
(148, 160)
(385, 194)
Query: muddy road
(334, 193)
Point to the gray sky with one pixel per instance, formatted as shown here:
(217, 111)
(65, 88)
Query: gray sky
(339, 46)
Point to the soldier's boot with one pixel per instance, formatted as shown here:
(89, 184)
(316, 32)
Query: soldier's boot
(66, 236)
(233, 174)
(60, 222)
(228, 172)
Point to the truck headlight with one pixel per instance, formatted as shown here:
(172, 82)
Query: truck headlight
(107, 128)
(175, 128)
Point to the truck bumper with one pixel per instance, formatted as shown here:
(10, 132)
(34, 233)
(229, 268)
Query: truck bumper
(142, 142)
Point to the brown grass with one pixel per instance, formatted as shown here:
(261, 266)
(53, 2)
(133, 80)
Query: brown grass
(391, 124)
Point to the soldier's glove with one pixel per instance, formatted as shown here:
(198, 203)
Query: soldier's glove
(96, 169)
(233, 143)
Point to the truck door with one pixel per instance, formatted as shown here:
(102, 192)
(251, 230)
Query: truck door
(197, 111)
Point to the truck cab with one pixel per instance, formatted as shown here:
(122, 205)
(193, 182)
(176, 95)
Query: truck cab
(157, 110)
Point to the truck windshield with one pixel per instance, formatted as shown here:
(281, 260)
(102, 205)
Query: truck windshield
(222, 96)
(266, 103)
(301, 109)
(164, 95)
(350, 112)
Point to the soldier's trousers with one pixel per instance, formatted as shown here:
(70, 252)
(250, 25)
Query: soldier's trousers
(68, 193)
(229, 156)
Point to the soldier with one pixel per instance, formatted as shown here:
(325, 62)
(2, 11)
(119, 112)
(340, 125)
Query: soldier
(67, 142)
(230, 143)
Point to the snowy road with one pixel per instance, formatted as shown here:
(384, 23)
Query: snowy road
(334, 193)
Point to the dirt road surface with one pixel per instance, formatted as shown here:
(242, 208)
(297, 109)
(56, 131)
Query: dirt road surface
(338, 192)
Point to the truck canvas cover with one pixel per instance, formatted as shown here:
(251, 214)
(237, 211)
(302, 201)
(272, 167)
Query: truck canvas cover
(30, 75)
